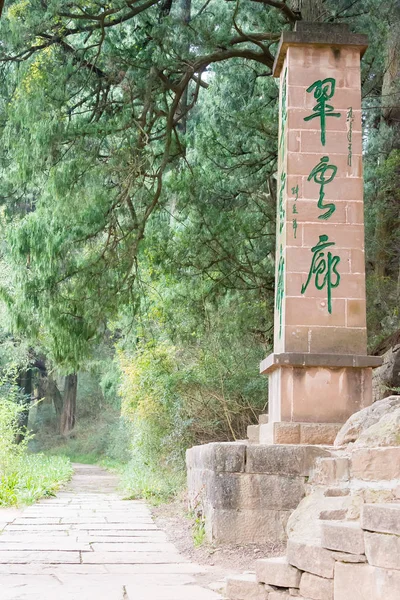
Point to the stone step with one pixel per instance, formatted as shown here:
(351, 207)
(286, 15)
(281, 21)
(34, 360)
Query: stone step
(381, 518)
(277, 572)
(245, 587)
(283, 432)
(343, 537)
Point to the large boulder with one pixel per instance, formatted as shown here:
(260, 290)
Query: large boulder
(386, 432)
(366, 418)
(386, 378)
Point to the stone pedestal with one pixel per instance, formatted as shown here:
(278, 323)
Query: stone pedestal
(319, 372)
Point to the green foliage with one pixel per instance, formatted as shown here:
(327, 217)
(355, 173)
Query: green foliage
(24, 478)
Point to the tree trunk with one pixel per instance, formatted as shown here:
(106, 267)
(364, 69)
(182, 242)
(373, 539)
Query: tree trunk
(67, 421)
(24, 381)
(54, 395)
(185, 10)
(310, 10)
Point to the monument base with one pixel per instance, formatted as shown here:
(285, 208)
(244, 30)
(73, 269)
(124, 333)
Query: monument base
(312, 395)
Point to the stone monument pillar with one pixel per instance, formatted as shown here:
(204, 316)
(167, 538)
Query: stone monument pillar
(319, 373)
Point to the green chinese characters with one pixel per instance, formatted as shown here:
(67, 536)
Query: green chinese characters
(280, 288)
(323, 269)
(281, 201)
(323, 91)
(323, 173)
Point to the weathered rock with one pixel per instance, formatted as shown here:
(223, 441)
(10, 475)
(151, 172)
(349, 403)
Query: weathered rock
(316, 588)
(343, 537)
(305, 525)
(278, 595)
(331, 470)
(387, 376)
(386, 432)
(245, 587)
(364, 582)
(254, 491)
(250, 526)
(375, 464)
(381, 518)
(382, 550)
(278, 572)
(365, 418)
(218, 456)
(311, 558)
(285, 460)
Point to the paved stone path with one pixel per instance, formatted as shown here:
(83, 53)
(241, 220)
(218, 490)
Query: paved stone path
(89, 544)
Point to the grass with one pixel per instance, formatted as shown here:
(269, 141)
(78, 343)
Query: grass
(27, 478)
(157, 486)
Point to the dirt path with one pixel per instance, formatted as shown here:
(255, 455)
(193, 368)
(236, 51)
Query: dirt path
(89, 544)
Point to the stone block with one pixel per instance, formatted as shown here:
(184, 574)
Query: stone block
(255, 491)
(311, 558)
(253, 434)
(286, 433)
(277, 571)
(336, 492)
(246, 526)
(382, 518)
(343, 537)
(278, 595)
(285, 460)
(245, 587)
(375, 464)
(318, 433)
(382, 550)
(337, 514)
(331, 470)
(365, 582)
(263, 419)
(316, 588)
(217, 456)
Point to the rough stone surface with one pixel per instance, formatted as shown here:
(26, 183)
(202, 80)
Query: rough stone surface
(331, 470)
(313, 559)
(305, 524)
(245, 587)
(241, 491)
(382, 550)
(246, 526)
(388, 374)
(375, 464)
(386, 432)
(88, 544)
(285, 460)
(365, 418)
(218, 456)
(382, 518)
(364, 582)
(343, 537)
(278, 572)
(316, 588)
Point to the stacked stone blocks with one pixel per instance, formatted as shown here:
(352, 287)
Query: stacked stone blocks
(353, 561)
(246, 493)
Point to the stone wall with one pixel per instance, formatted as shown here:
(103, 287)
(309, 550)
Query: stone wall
(344, 538)
(246, 493)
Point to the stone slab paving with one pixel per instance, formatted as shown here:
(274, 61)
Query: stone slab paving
(89, 544)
